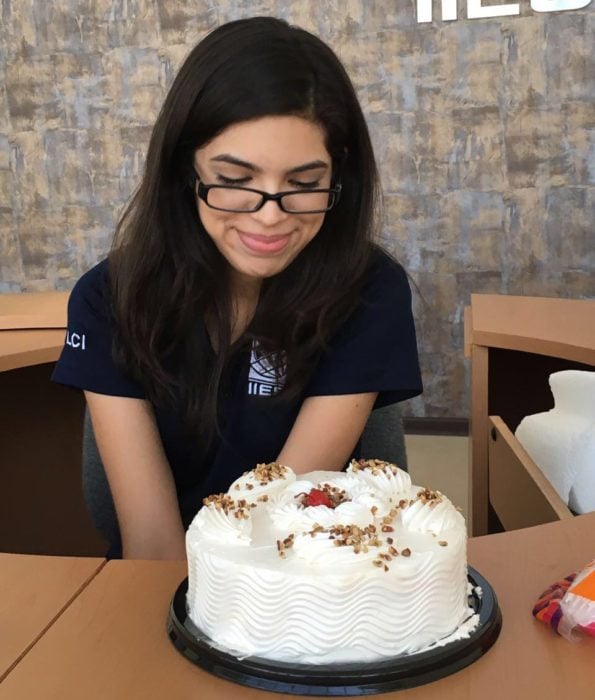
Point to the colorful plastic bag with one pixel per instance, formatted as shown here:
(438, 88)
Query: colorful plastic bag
(568, 606)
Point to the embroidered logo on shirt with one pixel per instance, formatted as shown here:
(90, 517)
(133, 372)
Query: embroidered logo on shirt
(262, 378)
(75, 340)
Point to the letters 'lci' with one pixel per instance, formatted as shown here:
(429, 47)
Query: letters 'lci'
(75, 340)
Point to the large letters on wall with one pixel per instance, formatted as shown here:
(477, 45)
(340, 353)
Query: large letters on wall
(475, 9)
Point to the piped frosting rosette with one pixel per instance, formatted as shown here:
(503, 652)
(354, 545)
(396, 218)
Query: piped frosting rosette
(224, 521)
(382, 477)
(264, 480)
(227, 518)
(430, 511)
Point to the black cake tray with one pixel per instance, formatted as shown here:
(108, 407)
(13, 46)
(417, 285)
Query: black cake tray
(340, 680)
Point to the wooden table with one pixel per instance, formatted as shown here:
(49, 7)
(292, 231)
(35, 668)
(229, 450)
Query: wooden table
(41, 503)
(111, 642)
(515, 343)
(34, 591)
(31, 328)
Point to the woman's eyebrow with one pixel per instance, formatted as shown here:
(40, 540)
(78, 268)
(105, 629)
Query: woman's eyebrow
(314, 165)
(232, 160)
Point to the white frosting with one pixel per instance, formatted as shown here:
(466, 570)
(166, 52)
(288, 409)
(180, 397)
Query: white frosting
(218, 527)
(249, 486)
(430, 516)
(318, 602)
(386, 478)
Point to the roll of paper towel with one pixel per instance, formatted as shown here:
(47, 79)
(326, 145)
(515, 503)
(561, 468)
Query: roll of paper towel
(561, 442)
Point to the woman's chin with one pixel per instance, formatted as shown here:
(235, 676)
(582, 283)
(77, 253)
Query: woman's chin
(260, 268)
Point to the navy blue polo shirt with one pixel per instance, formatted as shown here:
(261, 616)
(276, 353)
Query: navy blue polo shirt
(374, 351)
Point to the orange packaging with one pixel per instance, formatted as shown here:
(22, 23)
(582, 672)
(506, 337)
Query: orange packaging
(578, 605)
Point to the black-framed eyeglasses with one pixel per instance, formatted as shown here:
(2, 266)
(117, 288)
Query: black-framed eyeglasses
(246, 200)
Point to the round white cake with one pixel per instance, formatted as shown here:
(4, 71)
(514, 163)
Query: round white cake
(327, 567)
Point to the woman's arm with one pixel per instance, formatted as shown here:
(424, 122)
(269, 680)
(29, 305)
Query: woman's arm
(139, 476)
(326, 431)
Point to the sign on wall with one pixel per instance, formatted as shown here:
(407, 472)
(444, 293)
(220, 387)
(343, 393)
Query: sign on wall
(476, 10)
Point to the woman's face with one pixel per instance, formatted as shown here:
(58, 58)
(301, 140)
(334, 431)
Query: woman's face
(273, 154)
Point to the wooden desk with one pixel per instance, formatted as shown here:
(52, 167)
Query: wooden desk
(111, 642)
(33, 310)
(34, 591)
(31, 328)
(41, 503)
(515, 343)
(25, 348)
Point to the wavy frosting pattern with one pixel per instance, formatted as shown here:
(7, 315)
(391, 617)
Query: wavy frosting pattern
(278, 586)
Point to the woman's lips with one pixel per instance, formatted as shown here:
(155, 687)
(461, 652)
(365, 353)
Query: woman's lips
(263, 244)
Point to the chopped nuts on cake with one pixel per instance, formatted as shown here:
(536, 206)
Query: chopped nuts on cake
(265, 473)
(376, 466)
(224, 502)
(429, 496)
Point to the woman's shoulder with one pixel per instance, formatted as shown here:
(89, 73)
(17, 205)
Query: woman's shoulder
(375, 350)
(91, 291)
(93, 280)
(385, 277)
(384, 297)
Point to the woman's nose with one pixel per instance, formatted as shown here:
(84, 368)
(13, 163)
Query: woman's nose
(270, 213)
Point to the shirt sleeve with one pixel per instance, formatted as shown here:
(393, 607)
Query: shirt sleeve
(86, 359)
(376, 349)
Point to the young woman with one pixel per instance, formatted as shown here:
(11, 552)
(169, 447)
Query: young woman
(243, 315)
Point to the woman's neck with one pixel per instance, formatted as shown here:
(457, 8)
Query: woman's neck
(244, 295)
(244, 287)
(244, 299)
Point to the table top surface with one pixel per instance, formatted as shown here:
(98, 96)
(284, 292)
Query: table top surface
(25, 348)
(542, 325)
(32, 328)
(33, 310)
(111, 641)
(33, 592)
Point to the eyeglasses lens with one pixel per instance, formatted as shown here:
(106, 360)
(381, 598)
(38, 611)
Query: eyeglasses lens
(306, 201)
(238, 199)
(234, 199)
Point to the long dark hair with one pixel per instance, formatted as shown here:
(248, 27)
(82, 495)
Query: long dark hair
(165, 271)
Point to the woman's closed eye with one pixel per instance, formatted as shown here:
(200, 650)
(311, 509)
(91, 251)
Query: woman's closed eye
(300, 184)
(233, 181)
(245, 181)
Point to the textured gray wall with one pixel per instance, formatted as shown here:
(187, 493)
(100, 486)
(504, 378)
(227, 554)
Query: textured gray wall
(484, 130)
